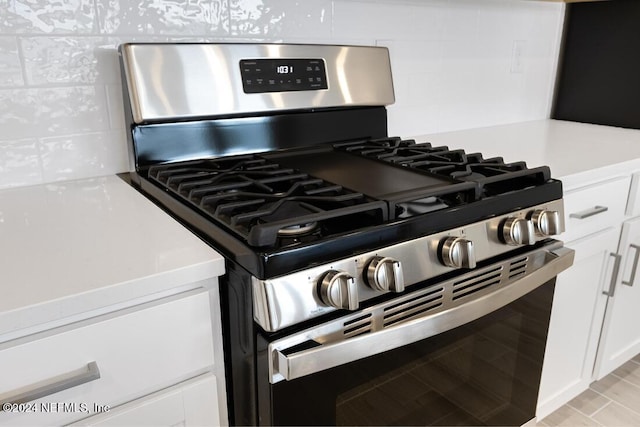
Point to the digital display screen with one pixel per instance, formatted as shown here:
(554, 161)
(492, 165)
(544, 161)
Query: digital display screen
(282, 75)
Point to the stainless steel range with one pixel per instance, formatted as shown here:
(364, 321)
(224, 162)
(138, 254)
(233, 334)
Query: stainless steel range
(371, 280)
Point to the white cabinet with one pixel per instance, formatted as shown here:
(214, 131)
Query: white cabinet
(593, 217)
(101, 363)
(576, 317)
(621, 331)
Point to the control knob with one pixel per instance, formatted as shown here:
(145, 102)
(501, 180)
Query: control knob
(546, 223)
(338, 289)
(384, 274)
(457, 252)
(518, 231)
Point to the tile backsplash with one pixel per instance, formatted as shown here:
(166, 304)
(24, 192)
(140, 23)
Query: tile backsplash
(456, 64)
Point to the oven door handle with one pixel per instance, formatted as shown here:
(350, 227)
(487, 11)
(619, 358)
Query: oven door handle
(305, 362)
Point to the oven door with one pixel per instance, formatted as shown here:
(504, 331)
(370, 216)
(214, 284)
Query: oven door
(465, 351)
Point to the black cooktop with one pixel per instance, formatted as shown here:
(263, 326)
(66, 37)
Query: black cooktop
(296, 204)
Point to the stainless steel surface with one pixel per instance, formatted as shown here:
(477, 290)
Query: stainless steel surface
(183, 81)
(589, 212)
(518, 231)
(60, 383)
(614, 275)
(338, 289)
(634, 269)
(286, 300)
(385, 274)
(546, 223)
(447, 311)
(458, 252)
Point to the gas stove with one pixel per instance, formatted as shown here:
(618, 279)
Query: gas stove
(451, 209)
(281, 189)
(278, 155)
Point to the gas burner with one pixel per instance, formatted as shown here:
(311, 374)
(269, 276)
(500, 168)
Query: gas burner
(297, 230)
(420, 207)
(289, 210)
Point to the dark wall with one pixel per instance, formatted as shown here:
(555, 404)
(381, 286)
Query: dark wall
(599, 75)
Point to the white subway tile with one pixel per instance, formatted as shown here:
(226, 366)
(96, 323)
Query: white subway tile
(537, 19)
(407, 122)
(183, 17)
(355, 19)
(85, 155)
(414, 56)
(54, 60)
(496, 18)
(10, 71)
(460, 20)
(19, 163)
(280, 18)
(39, 112)
(44, 16)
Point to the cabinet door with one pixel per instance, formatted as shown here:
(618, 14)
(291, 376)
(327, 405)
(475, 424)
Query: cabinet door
(192, 403)
(621, 332)
(137, 351)
(576, 318)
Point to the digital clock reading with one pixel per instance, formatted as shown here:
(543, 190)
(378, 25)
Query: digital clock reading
(264, 75)
(284, 69)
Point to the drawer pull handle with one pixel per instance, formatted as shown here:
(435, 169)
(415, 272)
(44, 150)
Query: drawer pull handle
(589, 212)
(635, 266)
(614, 275)
(60, 383)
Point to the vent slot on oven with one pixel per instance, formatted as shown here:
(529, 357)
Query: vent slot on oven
(518, 268)
(476, 283)
(413, 307)
(358, 326)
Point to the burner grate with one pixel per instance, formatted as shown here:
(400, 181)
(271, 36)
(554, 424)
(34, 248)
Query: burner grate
(268, 205)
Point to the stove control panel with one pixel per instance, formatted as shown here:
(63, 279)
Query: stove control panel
(282, 75)
(347, 282)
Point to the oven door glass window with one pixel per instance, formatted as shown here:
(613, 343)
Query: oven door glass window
(486, 372)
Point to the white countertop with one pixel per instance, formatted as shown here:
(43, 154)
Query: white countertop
(577, 153)
(72, 247)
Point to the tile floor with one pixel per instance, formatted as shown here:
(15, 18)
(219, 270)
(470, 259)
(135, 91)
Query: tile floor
(612, 401)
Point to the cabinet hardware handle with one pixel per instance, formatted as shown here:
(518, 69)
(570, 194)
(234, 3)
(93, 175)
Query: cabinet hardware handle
(60, 383)
(614, 275)
(635, 266)
(589, 212)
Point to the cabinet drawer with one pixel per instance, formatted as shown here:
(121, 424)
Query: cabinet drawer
(137, 351)
(594, 208)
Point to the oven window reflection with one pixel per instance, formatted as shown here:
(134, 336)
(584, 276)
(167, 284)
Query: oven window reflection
(486, 372)
(466, 382)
